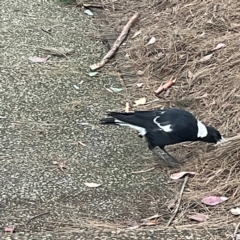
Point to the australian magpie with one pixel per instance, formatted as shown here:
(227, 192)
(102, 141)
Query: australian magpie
(165, 127)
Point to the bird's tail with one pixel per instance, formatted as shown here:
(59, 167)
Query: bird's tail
(115, 117)
(125, 119)
(109, 120)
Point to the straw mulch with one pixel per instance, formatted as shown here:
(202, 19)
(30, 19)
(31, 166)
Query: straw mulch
(185, 32)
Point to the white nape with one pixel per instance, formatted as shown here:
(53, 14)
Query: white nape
(166, 128)
(142, 131)
(202, 130)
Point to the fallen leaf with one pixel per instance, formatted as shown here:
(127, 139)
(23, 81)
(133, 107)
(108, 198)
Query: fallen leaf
(109, 90)
(38, 59)
(190, 74)
(81, 143)
(202, 34)
(139, 85)
(140, 101)
(9, 229)
(199, 217)
(235, 211)
(92, 74)
(76, 87)
(180, 175)
(171, 205)
(226, 105)
(143, 222)
(47, 30)
(160, 55)
(136, 34)
(140, 73)
(127, 107)
(153, 217)
(92, 185)
(88, 12)
(58, 51)
(151, 41)
(61, 165)
(203, 96)
(237, 237)
(206, 58)
(165, 86)
(147, 222)
(219, 46)
(2, 117)
(133, 224)
(127, 56)
(116, 90)
(213, 200)
(84, 124)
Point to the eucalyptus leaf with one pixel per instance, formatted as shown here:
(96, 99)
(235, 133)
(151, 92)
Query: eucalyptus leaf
(92, 74)
(88, 12)
(76, 87)
(116, 90)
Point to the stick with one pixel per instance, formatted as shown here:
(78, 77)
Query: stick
(39, 215)
(165, 86)
(116, 44)
(179, 201)
(203, 224)
(235, 231)
(91, 5)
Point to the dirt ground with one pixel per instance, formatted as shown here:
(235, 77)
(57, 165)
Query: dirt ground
(50, 112)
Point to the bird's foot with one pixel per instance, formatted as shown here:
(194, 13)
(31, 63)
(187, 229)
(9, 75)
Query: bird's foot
(172, 162)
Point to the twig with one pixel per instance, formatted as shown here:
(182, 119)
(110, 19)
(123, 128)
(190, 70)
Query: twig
(201, 225)
(90, 5)
(153, 217)
(143, 171)
(39, 215)
(117, 43)
(179, 201)
(165, 86)
(235, 231)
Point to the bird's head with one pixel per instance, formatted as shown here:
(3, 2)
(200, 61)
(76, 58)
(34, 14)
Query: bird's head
(213, 136)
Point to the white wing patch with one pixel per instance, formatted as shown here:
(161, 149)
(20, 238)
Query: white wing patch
(142, 131)
(202, 130)
(166, 128)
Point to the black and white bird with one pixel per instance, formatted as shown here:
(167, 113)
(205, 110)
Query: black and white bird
(165, 127)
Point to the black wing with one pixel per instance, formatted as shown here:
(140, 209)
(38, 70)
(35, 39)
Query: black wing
(170, 126)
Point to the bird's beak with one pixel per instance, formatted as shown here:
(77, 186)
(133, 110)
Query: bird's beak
(222, 140)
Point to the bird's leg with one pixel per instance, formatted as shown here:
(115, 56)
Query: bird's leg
(160, 155)
(173, 158)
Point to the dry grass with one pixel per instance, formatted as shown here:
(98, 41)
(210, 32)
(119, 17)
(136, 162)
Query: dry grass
(186, 31)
